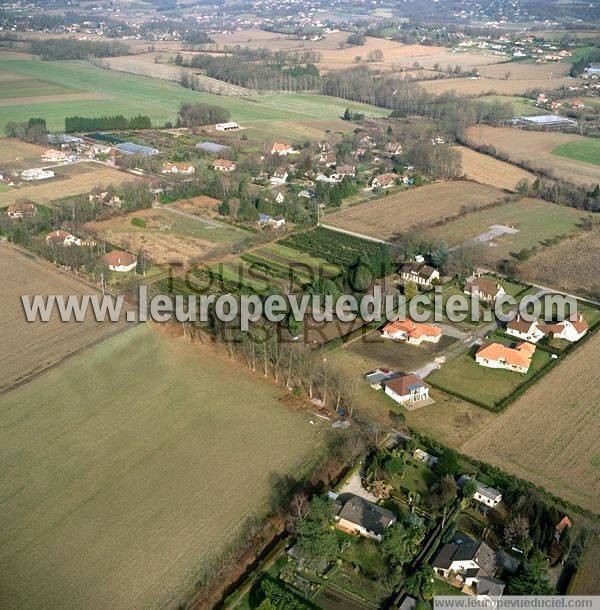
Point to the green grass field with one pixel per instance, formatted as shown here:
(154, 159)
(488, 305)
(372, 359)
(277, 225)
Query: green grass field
(130, 467)
(587, 151)
(487, 386)
(131, 95)
(522, 106)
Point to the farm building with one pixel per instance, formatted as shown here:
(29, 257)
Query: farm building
(376, 378)
(419, 273)
(498, 356)
(224, 165)
(178, 168)
(36, 173)
(269, 221)
(54, 156)
(483, 289)
(120, 261)
(228, 126)
(355, 515)
(414, 333)
(130, 148)
(548, 121)
(21, 210)
(65, 140)
(407, 389)
(279, 178)
(469, 565)
(483, 493)
(212, 147)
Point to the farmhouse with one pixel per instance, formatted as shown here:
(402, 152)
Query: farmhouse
(419, 273)
(485, 495)
(414, 333)
(281, 149)
(62, 238)
(355, 515)
(469, 565)
(37, 174)
(279, 177)
(407, 389)
(270, 221)
(426, 458)
(570, 330)
(120, 261)
(383, 181)
(483, 289)
(54, 156)
(228, 126)
(376, 378)
(223, 165)
(21, 210)
(498, 356)
(178, 168)
(524, 330)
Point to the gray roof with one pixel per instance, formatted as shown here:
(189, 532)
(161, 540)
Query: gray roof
(370, 516)
(547, 119)
(379, 376)
(408, 603)
(130, 148)
(63, 138)
(484, 490)
(464, 548)
(211, 147)
(492, 587)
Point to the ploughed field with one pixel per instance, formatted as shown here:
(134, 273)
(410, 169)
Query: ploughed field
(131, 468)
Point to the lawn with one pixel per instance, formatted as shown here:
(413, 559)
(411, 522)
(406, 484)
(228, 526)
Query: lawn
(465, 377)
(587, 151)
(127, 470)
(131, 95)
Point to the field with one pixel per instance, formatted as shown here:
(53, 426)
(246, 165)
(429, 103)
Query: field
(68, 180)
(536, 149)
(28, 348)
(388, 216)
(587, 579)
(15, 154)
(536, 221)
(572, 265)
(133, 490)
(159, 99)
(521, 106)
(525, 71)
(481, 384)
(587, 151)
(168, 237)
(488, 170)
(551, 434)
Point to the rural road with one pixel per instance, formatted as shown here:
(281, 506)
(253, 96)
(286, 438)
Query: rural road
(215, 224)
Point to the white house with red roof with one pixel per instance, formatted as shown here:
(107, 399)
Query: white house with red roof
(407, 390)
(414, 333)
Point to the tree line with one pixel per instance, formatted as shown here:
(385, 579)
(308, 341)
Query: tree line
(65, 48)
(116, 122)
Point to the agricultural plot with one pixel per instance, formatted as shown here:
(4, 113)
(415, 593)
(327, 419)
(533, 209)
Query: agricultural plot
(134, 479)
(489, 170)
(166, 236)
(572, 265)
(389, 216)
(488, 387)
(159, 99)
(587, 579)
(550, 436)
(587, 151)
(521, 106)
(69, 180)
(525, 71)
(28, 348)
(535, 221)
(536, 148)
(18, 155)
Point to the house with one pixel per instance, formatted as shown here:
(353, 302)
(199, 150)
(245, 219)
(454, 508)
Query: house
(270, 221)
(561, 526)
(383, 181)
(223, 165)
(307, 193)
(426, 458)
(524, 330)
(329, 179)
(542, 100)
(54, 156)
(37, 173)
(21, 210)
(357, 516)
(485, 495)
(394, 148)
(359, 153)
(571, 330)
(120, 261)
(499, 356)
(577, 104)
(414, 333)
(279, 177)
(281, 149)
(105, 198)
(62, 238)
(469, 565)
(484, 289)
(279, 198)
(178, 168)
(419, 273)
(407, 389)
(327, 159)
(376, 378)
(228, 126)
(341, 171)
